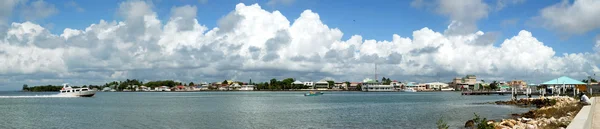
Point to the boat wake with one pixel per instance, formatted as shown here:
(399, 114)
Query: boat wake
(40, 96)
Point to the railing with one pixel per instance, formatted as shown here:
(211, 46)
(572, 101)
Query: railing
(583, 119)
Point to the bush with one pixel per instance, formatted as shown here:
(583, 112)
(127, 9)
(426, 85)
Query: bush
(441, 124)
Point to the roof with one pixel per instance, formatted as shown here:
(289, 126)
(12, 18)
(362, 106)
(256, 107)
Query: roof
(562, 80)
(297, 82)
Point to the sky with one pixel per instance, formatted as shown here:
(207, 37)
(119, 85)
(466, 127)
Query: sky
(93, 42)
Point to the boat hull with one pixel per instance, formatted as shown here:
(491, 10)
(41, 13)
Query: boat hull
(80, 94)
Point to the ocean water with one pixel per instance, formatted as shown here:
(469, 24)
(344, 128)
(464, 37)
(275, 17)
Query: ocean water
(241, 110)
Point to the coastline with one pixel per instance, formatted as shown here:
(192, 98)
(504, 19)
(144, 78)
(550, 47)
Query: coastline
(550, 112)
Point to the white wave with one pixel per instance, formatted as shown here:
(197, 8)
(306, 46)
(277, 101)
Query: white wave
(40, 96)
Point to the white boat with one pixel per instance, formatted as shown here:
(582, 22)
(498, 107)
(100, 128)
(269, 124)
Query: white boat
(409, 90)
(79, 92)
(447, 89)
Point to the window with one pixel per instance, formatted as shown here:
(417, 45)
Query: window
(84, 89)
(62, 91)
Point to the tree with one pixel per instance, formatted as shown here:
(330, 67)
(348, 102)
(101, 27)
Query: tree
(25, 87)
(224, 82)
(494, 85)
(288, 82)
(250, 82)
(191, 84)
(359, 87)
(330, 83)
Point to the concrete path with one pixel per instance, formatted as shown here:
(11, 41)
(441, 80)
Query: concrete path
(596, 114)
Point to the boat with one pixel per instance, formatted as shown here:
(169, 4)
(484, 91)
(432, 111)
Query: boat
(409, 90)
(78, 92)
(313, 93)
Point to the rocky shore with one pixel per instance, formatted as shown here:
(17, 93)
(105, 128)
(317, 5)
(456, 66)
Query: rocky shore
(551, 113)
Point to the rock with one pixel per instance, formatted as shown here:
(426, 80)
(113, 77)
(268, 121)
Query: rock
(470, 124)
(531, 126)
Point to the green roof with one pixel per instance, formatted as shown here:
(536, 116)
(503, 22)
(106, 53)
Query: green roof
(562, 80)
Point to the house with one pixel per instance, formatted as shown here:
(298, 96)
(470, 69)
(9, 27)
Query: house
(298, 85)
(247, 87)
(321, 85)
(517, 84)
(162, 88)
(411, 85)
(467, 82)
(436, 85)
(310, 85)
(354, 86)
(396, 84)
(338, 85)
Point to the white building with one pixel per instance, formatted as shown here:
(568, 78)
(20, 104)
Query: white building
(247, 87)
(436, 85)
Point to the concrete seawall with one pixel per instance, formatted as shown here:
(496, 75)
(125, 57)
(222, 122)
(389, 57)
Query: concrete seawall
(584, 119)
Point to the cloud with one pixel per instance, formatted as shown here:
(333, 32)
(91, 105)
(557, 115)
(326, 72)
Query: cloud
(250, 42)
(463, 14)
(6, 8)
(567, 18)
(500, 4)
(283, 2)
(72, 4)
(38, 10)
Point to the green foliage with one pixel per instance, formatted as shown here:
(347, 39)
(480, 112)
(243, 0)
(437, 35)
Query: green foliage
(45, 88)
(331, 83)
(359, 87)
(494, 85)
(25, 87)
(591, 79)
(441, 124)
(481, 123)
(191, 84)
(386, 81)
(169, 83)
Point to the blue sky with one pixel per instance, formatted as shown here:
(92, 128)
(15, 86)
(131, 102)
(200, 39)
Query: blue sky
(521, 39)
(371, 19)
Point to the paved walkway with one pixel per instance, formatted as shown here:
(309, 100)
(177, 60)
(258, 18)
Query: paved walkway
(596, 114)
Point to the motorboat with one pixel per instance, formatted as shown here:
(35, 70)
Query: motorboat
(77, 92)
(409, 90)
(313, 93)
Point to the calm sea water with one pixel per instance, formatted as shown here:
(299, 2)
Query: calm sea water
(219, 110)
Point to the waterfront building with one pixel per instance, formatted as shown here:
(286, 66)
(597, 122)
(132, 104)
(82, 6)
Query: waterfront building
(436, 85)
(247, 87)
(338, 85)
(310, 85)
(561, 85)
(517, 84)
(321, 85)
(353, 85)
(468, 82)
(397, 85)
(371, 85)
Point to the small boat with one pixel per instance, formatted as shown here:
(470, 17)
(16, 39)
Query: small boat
(313, 93)
(78, 92)
(409, 90)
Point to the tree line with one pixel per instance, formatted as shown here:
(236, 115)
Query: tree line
(129, 84)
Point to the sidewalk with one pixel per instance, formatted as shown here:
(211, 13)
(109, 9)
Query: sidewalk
(596, 115)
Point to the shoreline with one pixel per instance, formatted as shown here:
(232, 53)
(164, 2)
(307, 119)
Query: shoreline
(549, 112)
